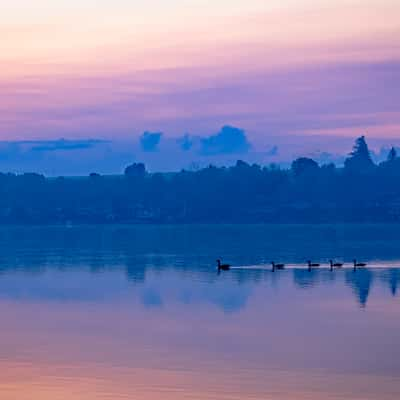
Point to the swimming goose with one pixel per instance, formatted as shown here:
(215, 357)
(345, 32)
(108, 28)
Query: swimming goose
(311, 265)
(335, 265)
(223, 267)
(277, 266)
(356, 264)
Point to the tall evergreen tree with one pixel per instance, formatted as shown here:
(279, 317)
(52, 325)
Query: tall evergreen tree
(392, 154)
(360, 158)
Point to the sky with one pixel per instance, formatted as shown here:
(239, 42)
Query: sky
(304, 76)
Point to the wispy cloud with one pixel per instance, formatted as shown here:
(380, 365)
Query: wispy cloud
(335, 99)
(62, 144)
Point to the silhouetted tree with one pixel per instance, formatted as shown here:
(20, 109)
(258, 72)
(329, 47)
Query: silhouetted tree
(242, 164)
(241, 193)
(392, 155)
(136, 170)
(360, 158)
(304, 165)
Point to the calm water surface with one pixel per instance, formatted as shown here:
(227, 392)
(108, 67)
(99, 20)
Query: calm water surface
(140, 313)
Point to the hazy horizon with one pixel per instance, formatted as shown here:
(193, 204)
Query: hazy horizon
(305, 76)
(163, 153)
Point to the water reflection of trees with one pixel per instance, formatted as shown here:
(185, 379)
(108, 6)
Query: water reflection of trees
(190, 252)
(135, 273)
(360, 282)
(305, 279)
(391, 277)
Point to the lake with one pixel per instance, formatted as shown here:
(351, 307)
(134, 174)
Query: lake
(139, 312)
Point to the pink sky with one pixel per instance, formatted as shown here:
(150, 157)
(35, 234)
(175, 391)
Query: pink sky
(280, 71)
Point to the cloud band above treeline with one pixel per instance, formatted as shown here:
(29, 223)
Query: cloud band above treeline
(229, 140)
(162, 152)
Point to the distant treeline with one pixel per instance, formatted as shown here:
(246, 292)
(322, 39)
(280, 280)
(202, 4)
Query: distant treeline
(360, 191)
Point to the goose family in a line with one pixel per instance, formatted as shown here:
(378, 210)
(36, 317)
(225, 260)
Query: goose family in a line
(311, 265)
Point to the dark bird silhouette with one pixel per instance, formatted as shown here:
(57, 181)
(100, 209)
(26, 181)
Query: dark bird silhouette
(311, 265)
(223, 267)
(356, 264)
(335, 265)
(277, 266)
